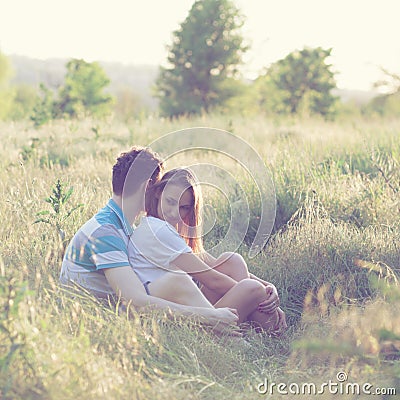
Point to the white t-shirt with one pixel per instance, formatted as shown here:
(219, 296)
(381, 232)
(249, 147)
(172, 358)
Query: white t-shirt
(156, 244)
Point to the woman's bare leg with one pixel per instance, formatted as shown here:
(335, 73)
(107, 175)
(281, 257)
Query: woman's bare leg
(245, 297)
(231, 264)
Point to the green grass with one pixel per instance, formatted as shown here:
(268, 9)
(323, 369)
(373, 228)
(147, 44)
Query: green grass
(334, 256)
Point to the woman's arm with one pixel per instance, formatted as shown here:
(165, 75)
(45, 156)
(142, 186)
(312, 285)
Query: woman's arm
(265, 283)
(209, 277)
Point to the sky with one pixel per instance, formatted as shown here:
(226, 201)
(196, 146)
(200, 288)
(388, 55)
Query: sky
(364, 34)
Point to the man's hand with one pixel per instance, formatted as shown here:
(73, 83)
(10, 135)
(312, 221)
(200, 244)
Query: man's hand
(223, 320)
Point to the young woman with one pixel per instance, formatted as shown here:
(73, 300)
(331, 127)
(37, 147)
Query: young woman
(169, 239)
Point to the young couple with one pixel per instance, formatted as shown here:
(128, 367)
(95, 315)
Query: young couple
(162, 263)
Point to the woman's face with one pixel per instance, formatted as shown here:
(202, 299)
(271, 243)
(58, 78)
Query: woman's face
(174, 204)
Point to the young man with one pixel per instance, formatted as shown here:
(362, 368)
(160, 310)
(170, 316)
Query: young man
(98, 257)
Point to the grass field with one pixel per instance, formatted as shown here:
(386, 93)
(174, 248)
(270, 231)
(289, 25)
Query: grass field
(334, 256)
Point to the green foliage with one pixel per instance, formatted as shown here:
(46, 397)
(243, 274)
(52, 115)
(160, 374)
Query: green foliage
(24, 103)
(5, 70)
(83, 90)
(28, 152)
(300, 83)
(58, 213)
(81, 94)
(12, 340)
(6, 93)
(391, 82)
(387, 105)
(6, 102)
(203, 60)
(43, 111)
(242, 102)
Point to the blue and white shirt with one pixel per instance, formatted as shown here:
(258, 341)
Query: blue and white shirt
(102, 242)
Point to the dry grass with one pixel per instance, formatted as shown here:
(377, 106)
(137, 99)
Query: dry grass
(334, 257)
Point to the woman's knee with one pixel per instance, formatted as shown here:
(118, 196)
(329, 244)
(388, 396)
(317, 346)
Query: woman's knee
(233, 265)
(231, 257)
(252, 289)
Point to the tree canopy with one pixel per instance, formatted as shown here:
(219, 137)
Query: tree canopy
(302, 80)
(203, 59)
(83, 90)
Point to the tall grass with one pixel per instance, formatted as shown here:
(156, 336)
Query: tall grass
(334, 256)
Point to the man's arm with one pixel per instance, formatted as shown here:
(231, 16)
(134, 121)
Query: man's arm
(127, 285)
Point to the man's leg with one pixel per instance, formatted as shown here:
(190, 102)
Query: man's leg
(178, 287)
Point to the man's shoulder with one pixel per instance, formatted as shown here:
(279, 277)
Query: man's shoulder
(94, 241)
(101, 223)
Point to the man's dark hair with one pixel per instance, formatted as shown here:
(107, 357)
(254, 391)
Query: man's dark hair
(134, 167)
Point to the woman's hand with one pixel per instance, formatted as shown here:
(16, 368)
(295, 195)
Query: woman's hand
(281, 325)
(272, 302)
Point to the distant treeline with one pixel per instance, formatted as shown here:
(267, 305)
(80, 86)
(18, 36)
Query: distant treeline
(202, 75)
(51, 72)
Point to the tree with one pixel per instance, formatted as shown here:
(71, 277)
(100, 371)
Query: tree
(5, 69)
(302, 81)
(203, 59)
(387, 104)
(390, 84)
(6, 93)
(24, 101)
(44, 108)
(83, 90)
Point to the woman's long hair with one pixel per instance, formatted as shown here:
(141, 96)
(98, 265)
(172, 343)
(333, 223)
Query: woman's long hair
(190, 227)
